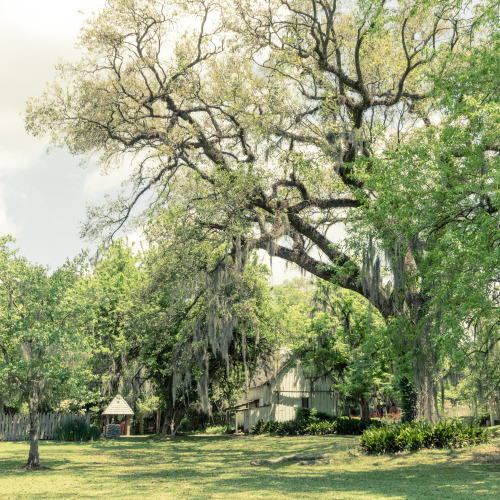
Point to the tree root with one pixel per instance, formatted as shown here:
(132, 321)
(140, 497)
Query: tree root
(304, 459)
(33, 467)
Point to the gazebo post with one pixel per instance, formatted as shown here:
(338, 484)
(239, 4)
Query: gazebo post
(127, 425)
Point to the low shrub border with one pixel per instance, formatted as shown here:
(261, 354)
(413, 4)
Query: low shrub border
(315, 424)
(417, 435)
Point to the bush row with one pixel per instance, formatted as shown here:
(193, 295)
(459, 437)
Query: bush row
(78, 431)
(314, 426)
(416, 435)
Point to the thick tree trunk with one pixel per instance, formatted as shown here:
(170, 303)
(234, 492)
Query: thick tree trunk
(424, 369)
(426, 392)
(33, 456)
(172, 420)
(172, 415)
(365, 409)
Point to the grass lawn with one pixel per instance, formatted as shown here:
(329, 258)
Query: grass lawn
(219, 467)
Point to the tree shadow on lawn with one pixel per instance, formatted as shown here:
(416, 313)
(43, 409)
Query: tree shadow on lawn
(465, 473)
(226, 472)
(407, 481)
(17, 466)
(189, 452)
(185, 446)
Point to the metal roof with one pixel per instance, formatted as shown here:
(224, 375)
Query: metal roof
(118, 407)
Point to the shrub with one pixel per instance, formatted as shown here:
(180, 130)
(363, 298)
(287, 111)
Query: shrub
(291, 428)
(378, 440)
(417, 435)
(303, 414)
(258, 428)
(321, 428)
(288, 428)
(316, 423)
(262, 427)
(321, 415)
(78, 431)
(457, 434)
(355, 426)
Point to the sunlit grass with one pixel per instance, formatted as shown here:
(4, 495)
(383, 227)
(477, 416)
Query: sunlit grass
(219, 467)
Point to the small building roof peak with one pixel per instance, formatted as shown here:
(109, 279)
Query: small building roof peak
(118, 407)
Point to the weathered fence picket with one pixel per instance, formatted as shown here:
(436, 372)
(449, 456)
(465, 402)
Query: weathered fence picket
(17, 427)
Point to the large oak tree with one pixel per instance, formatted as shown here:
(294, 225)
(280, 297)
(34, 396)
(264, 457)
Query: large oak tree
(267, 120)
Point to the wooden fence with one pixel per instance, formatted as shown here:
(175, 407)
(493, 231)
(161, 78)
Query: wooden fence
(17, 427)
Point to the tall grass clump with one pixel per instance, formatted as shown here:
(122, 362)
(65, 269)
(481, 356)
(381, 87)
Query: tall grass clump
(77, 431)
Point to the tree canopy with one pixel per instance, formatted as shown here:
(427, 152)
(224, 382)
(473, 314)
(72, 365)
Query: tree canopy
(269, 123)
(40, 352)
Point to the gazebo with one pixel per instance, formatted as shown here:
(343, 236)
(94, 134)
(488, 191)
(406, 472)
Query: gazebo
(119, 407)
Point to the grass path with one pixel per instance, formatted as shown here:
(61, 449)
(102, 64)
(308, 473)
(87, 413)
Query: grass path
(198, 467)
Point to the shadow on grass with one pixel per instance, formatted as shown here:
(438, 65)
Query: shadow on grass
(230, 474)
(410, 481)
(218, 466)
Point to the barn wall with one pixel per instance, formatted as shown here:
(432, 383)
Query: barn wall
(262, 393)
(323, 398)
(278, 400)
(276, 413)
(323, 402)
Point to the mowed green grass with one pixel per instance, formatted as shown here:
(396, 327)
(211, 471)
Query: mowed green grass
(219, 467)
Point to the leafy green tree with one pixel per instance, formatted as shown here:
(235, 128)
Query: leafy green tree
(107, 299)
(348, 340)
(293, 307)
(437, 202)
(270, 120)
(207, 318)
(39, 352)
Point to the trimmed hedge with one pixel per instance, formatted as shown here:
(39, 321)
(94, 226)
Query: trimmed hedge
(417, 435)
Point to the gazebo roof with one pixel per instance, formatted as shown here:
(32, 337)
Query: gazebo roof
(118, 407)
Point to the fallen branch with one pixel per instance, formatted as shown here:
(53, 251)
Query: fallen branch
(314, 462)
(304, 458)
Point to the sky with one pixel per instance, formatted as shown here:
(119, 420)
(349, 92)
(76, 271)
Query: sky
(44, 193)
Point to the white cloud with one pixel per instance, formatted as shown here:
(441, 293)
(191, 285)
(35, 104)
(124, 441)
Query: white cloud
(18, 151)
(7, 225)
(50, 16)
(36, 36)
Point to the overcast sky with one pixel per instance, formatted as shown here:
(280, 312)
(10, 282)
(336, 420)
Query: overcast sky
(43, 195)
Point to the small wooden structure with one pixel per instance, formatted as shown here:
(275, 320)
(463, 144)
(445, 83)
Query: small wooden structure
(276, 398)
(119, 407)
